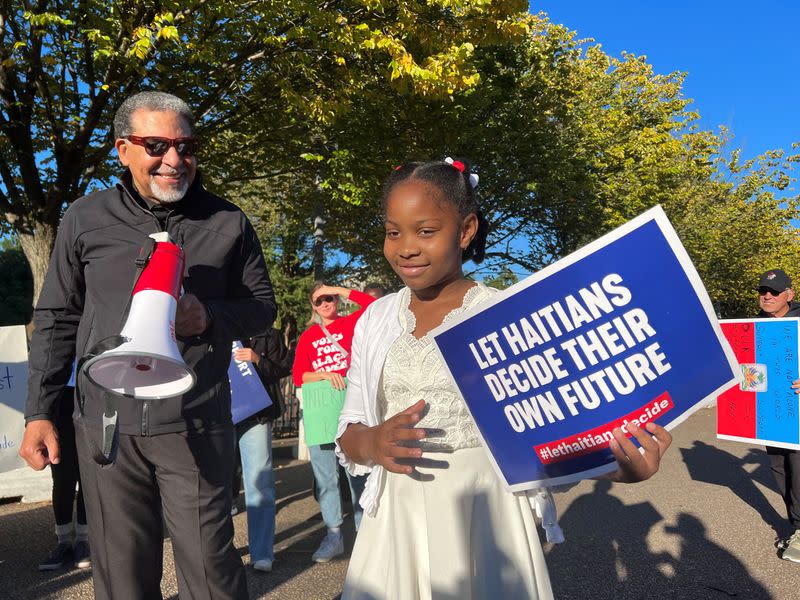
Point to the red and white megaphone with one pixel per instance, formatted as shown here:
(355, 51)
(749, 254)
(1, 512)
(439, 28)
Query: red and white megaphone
(148, 365)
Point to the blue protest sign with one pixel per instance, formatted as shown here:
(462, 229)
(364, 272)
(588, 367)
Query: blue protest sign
(248, 395)
(619, 331)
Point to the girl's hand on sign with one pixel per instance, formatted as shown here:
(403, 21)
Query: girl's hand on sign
(337, 381)
(796, 386)
(635, 465)
(394, 438)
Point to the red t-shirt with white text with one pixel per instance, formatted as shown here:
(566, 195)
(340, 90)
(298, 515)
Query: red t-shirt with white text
(315, 352)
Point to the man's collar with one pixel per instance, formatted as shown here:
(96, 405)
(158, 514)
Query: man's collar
(127, 182)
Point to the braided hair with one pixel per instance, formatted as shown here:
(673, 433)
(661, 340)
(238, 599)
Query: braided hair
(456, 185)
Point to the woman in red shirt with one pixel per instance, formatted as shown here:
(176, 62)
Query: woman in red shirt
(323, 353)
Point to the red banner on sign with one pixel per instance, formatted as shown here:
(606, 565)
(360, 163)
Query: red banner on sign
(596, 439)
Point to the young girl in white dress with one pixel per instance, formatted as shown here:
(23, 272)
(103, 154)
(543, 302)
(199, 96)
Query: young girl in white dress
(438, 523)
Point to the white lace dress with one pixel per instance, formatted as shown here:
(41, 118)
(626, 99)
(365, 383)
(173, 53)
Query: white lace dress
(453, 532)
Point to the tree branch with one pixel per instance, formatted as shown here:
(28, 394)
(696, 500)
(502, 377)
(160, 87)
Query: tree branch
(12, 192)
(259, 177)
(509, 257)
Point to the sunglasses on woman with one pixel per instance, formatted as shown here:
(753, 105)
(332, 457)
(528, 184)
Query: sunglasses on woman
(324, 298)
(159, 146)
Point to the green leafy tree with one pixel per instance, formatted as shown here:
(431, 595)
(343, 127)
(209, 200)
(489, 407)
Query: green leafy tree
(16, 293)
(741, 225)
(569, 143)
(258, 73)
(504, 279)
(285, 235)
(304, 108)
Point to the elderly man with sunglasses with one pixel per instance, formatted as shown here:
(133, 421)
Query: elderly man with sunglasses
(174, 456)
(776, 299)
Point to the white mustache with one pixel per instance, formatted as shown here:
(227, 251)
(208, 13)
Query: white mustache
(169, 172)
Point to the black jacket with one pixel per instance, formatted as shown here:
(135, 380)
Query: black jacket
(274, 363)
(87, 287)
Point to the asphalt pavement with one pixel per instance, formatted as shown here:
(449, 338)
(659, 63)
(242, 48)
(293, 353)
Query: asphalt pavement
(703, 528)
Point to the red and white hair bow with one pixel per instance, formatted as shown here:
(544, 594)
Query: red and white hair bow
(473, 178)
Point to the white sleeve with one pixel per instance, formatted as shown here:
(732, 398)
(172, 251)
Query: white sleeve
(354, 409)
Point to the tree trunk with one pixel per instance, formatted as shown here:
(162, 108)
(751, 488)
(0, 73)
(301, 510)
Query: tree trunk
(38, 246)
(319, 241)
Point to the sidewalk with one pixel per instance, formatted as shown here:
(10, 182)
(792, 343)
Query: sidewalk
(701, 529)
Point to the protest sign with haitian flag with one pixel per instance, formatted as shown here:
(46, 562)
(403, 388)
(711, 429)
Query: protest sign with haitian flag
(619, 331)
(762, 408)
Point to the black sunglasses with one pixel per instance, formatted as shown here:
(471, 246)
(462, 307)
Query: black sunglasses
(325, 298)
(762, 291)
(159, 146)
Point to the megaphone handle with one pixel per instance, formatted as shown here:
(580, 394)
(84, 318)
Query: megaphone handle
(110, 433)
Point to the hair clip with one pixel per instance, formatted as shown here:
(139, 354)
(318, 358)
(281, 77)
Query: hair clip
(455, 163)
(398, 167)
(473, 178)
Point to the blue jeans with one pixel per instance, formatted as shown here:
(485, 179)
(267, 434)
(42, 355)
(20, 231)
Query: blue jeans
(326, 472)
(255, 447)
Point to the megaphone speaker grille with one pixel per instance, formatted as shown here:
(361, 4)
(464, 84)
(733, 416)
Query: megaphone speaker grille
(140, 375)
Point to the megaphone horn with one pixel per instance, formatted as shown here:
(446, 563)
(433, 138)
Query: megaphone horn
(148, 365)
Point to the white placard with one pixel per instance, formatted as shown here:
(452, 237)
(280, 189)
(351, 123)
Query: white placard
(13, 386)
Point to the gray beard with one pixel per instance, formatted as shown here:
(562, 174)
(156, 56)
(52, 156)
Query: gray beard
(168, 196)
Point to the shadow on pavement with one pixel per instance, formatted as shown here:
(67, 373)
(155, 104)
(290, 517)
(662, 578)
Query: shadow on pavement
(710, 464)
(26, 538)
(606, 551)
(54, 588)
(295, 544)
(285, 501)
(707, 569)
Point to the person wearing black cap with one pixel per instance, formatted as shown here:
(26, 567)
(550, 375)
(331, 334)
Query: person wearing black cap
(776, 299)
(776, 296)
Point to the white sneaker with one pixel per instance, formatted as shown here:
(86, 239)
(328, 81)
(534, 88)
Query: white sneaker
(331, 546)
(264, 566)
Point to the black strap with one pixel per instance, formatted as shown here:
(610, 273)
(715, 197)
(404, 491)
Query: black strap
(145, 253)
(106, 454)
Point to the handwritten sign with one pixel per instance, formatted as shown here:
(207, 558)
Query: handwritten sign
(248, 395)
(321, 407)
(13, 390)
(621, 331)
(762, 407)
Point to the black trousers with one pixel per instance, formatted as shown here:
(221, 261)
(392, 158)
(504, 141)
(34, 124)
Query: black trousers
(785, 465)
(66, 474)
(184, 476)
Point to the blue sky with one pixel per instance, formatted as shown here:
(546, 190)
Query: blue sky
(743, 69)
